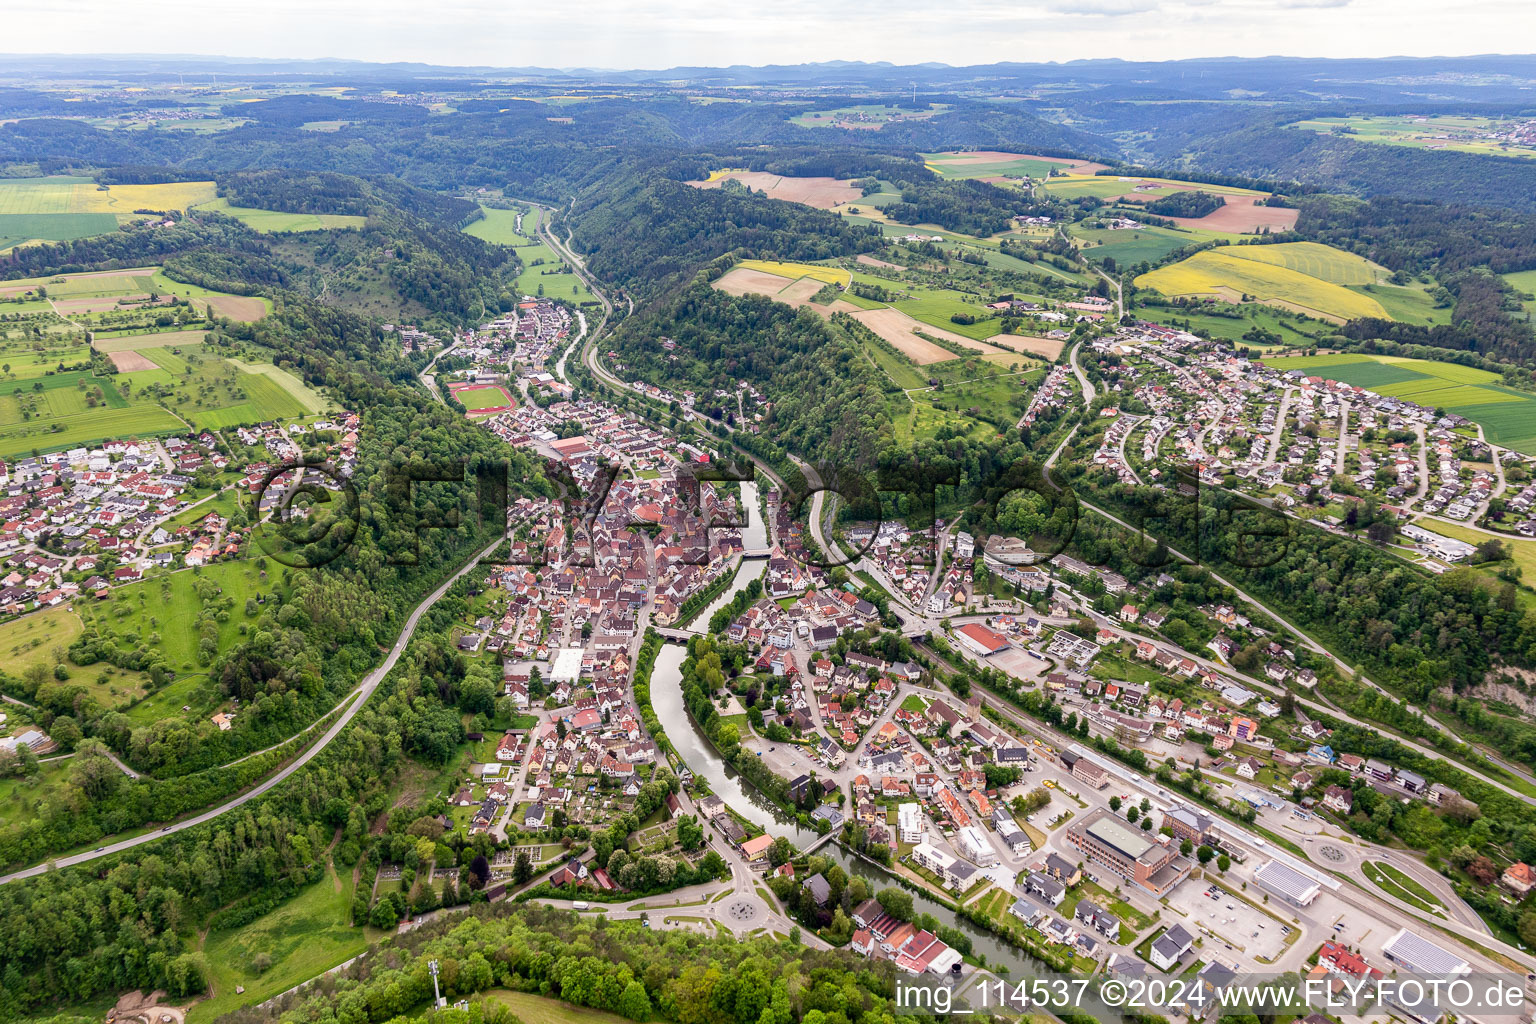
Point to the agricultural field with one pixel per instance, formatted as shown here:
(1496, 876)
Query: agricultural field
(1480, 135)
(71, 295)
(795, 271)
(214, 392)
(1232, 272)
(62, 415)
(1314, 260)
(1507, 416)
(1108, 186)
(1244, 211)
(1132, 246)
(987, 165)
(822, 193)
(917, 323)
(274, 221)
(59, 209)
(500, 227)
(165, 386)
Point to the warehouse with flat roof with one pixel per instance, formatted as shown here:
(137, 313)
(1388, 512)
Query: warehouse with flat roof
(1290, 885)
(1414, 953)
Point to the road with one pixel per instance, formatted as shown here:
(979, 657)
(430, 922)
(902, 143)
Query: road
(369, 684)
(1338, 465)
(1089, 391)
(1423, 488)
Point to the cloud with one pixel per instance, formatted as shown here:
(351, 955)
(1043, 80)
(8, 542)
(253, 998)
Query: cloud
(662, 33)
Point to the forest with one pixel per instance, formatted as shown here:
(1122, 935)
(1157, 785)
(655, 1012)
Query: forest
(618, 967)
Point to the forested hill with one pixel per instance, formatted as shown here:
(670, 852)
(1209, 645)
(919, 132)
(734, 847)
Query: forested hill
(410, 260)
(828, 401)
(320, 630)
(637, 973)
(647, 230)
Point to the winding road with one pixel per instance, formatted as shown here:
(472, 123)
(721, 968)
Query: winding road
(365, 689)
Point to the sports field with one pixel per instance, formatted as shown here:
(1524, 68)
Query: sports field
(273, 221)
(1227, 274)
(479, 398)
(1507, 416)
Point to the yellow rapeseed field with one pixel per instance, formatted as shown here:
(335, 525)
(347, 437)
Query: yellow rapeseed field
(795, 271)
(76, 197)
(1216, 272)
(1323, 262)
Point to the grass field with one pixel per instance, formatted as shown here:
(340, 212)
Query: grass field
(311, 400)
(215, 392)
(1233, 329)
(981, 408)
(20, 437)
(500, 227)
(190, 690)
(1399, 886)
(532, 1009)
(1507, 416)
(1128, 247)
(168, 607)
(1106, 185)
(304, 937)
(1524, 281)
(1224, 273)
(533, 280)
(475, 399)
(272, 221)
(20, 798)
(43, 638)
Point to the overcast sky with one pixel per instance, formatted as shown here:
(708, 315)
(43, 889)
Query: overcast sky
(617, 34)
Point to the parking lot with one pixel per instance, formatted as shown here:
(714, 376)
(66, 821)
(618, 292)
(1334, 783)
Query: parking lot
(787, 759)
(1017, 662)
(1250, 932)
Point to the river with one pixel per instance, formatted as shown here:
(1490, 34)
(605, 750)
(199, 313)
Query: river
(753, 537)
(726, 783)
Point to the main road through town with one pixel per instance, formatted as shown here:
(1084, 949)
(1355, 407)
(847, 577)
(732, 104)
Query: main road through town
(362, 693)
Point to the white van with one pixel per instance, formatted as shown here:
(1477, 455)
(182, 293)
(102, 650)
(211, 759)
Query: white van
(579, 905)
